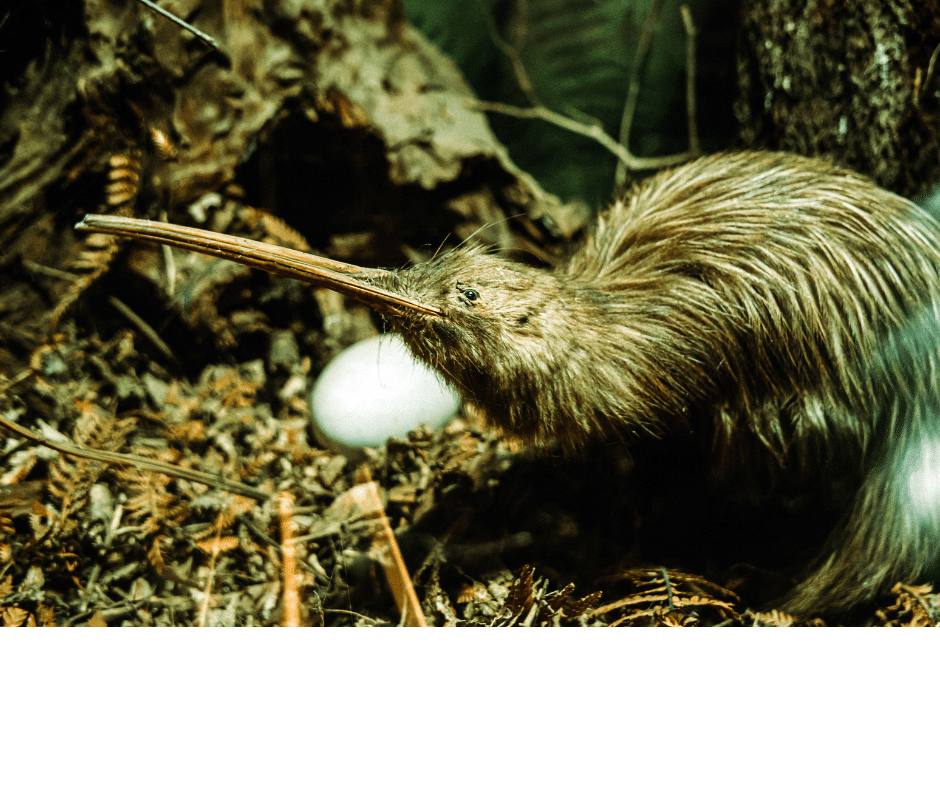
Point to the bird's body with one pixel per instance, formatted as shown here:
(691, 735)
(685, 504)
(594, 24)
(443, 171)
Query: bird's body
(784, 311)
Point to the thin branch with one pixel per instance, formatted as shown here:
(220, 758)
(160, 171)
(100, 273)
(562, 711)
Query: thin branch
(929, 75)
(45, 270)
(596, 133)
(143, 327)
(183, 24)
(169, 261)
(19, 378)
(513, 52)
(633, 91)
(353, 613)
(207, 592)
(385, 548)
(695, 148)
(144, 463)
(593, 130)
(291, 615)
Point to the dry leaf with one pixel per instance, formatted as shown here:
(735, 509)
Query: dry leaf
(46, 616)
(217, 546)
(97, 620)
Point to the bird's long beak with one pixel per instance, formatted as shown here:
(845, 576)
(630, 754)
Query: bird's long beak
(350, 280)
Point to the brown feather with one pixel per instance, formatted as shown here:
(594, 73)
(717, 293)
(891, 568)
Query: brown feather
(784, 307)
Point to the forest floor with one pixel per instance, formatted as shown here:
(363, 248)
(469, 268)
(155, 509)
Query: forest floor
(485, 535)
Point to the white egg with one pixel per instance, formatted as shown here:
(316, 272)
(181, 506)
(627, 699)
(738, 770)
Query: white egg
(376, 390)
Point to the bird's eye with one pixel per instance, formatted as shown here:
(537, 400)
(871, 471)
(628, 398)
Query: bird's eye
(471, 295)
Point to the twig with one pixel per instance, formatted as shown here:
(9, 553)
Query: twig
(144, 463)
(929, 75)
(366, 496)
(183, 24)
(169, 261)
(353, 613)
(204, 607)
(633, 91)
(291, 616)
(695, 149)
(596, 133)
(38, 268)
(142, 326)
(514, 51)
(19, 378)
(262, 535)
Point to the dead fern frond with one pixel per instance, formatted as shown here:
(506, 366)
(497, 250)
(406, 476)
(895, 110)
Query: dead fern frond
(188, 433)
(164, 570)
(234, 391)
(151, 506)
(530, 603)
(773, 618)
(668, 598)
(21, 498)
(72, 477)
(14, 616)
(272, 230)
(236, 506)
(45, 615)
(98, 249)
(521, 597)
(257, 462)
(915, 606)
(123, 182)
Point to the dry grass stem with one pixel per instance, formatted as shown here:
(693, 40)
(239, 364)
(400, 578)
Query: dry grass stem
(385, 547)
(291, 615)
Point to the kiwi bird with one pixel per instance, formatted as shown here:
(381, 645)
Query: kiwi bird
(784, 310)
